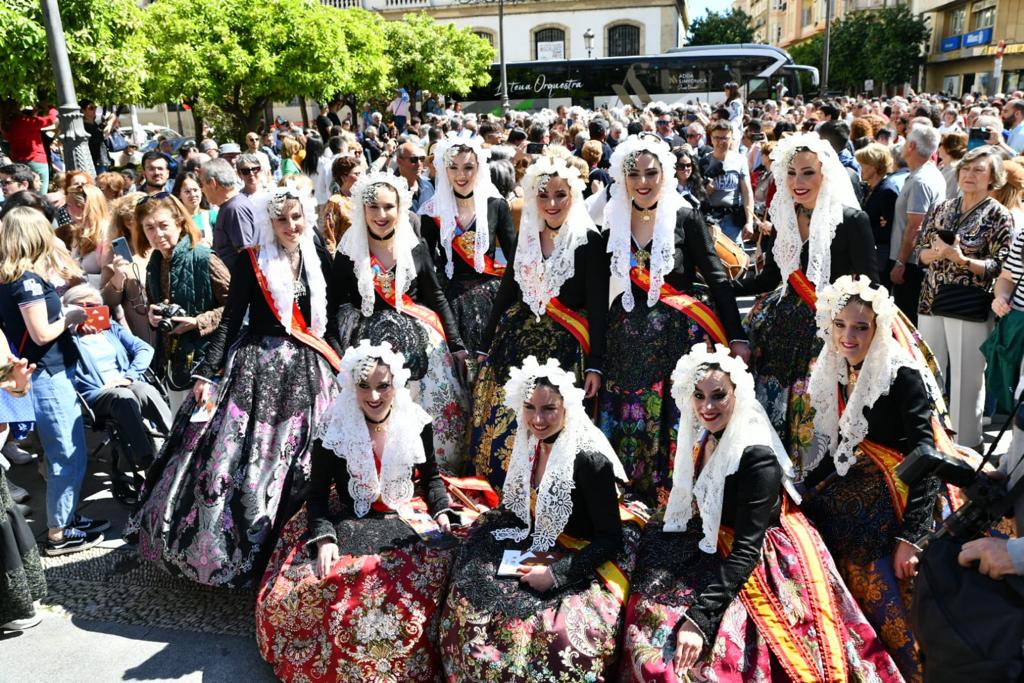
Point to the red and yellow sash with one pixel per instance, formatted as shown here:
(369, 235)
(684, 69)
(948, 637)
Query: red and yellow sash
(611, 575)
(684, 303)
(299, 329)
(386, 291)
(575, 323)
(464, 243)
(767, 612)
(804, 288)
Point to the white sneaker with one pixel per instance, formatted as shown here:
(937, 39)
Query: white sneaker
(22, 624)
(16, 454)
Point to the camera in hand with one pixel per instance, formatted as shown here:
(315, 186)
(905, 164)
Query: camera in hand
(987, 500)
(165, 312)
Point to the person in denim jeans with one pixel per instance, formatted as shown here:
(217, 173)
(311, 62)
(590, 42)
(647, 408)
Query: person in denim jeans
(33, 319)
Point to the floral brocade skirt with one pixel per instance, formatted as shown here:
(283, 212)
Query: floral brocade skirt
(519, 334)
(821, 627)
(373, 618)
(497, 630)
(784, 345)
(471, 302)
(220, 490)
(21, 572)
(855, 516)
(433, 380)
(637, 412)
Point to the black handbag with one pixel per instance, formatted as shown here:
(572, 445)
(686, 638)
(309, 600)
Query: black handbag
(969, 627)
(963, 302)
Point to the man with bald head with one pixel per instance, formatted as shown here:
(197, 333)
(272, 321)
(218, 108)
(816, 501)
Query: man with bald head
(410, 158)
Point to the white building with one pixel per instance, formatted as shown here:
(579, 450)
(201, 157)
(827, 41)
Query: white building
(554, 29)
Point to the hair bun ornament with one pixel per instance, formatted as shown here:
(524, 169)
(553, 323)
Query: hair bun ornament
(355, 355)
(364, 189)
(687, 372)
(521, 382)
(834, 298)
(547, 166)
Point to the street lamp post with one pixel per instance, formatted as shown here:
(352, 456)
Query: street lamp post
(825, 47)
(76, 140)
(505, 105)
(588, 41)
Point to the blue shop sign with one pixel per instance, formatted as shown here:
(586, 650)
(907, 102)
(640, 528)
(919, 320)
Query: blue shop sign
(980, 37)
(951, 43)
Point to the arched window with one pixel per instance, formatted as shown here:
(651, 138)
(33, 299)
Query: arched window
(623, 40)
(486, 35)
(549, 43)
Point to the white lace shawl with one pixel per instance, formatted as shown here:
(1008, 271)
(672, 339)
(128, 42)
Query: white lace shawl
(345, 432)
(273, 262)
(748, 426)
(443, 204)
(835, 193)
(618, 215)
(840, 435)
(541, 279)
(554, 498)
(355, 244)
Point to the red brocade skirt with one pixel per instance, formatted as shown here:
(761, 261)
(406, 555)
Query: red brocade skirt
(373, 618)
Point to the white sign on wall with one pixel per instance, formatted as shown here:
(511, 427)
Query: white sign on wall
(552, 50)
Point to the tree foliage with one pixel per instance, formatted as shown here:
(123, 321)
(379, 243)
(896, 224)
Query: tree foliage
(886, 46)
(236, 56)
(722, 28)
(106, 49)
(426, 55)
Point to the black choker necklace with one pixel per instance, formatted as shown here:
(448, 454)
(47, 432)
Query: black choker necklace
(552, 228)
(801, 209)
(378, 238)
(377, 423)
(551, 439)
(462, 196)
(718, 434)
(645, 214)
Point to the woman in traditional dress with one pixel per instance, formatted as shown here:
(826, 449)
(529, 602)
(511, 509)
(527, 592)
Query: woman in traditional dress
(735, 584)
(658, 245)
(820, 234)
(468, 227)
(225, 483)
(874, 404)
(351, 592)
(552, 303)
(386, 289)
(558, 620)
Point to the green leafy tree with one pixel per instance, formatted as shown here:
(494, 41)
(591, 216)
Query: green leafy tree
(886, 46)
(106, 49)
(441, 58)
(231, 58)
(722, 28)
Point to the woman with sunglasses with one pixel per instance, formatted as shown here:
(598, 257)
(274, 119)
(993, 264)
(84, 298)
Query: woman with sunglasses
(468, 227)
(226, 481)
(689, 182)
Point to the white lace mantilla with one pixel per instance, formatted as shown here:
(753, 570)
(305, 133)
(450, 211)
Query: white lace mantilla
(618, 219)
(443, 204)
(835, 193)
(355, 244)
(554, 498)
(345, 432)
(748, 426)
(538, 278)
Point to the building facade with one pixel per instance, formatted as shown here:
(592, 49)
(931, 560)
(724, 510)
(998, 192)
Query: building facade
(962, 56)
(555, 29)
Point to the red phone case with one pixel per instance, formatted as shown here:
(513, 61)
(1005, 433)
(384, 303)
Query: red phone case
(98, 317)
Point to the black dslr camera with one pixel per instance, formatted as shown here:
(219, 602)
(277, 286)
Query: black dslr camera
(165, 312)
(987, 499)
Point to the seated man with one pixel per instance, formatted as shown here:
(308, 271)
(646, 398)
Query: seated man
(109, 375)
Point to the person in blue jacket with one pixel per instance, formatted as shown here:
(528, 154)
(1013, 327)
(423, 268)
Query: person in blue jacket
(109, 376)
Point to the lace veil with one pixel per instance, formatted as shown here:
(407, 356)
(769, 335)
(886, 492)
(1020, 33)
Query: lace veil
(836, 192)
(840, 435)
(617, 218)
(354, 243)
(748, 426)
(273, 262)
(541, 279)
(554, 499)
(443, 203)
(345, 432)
